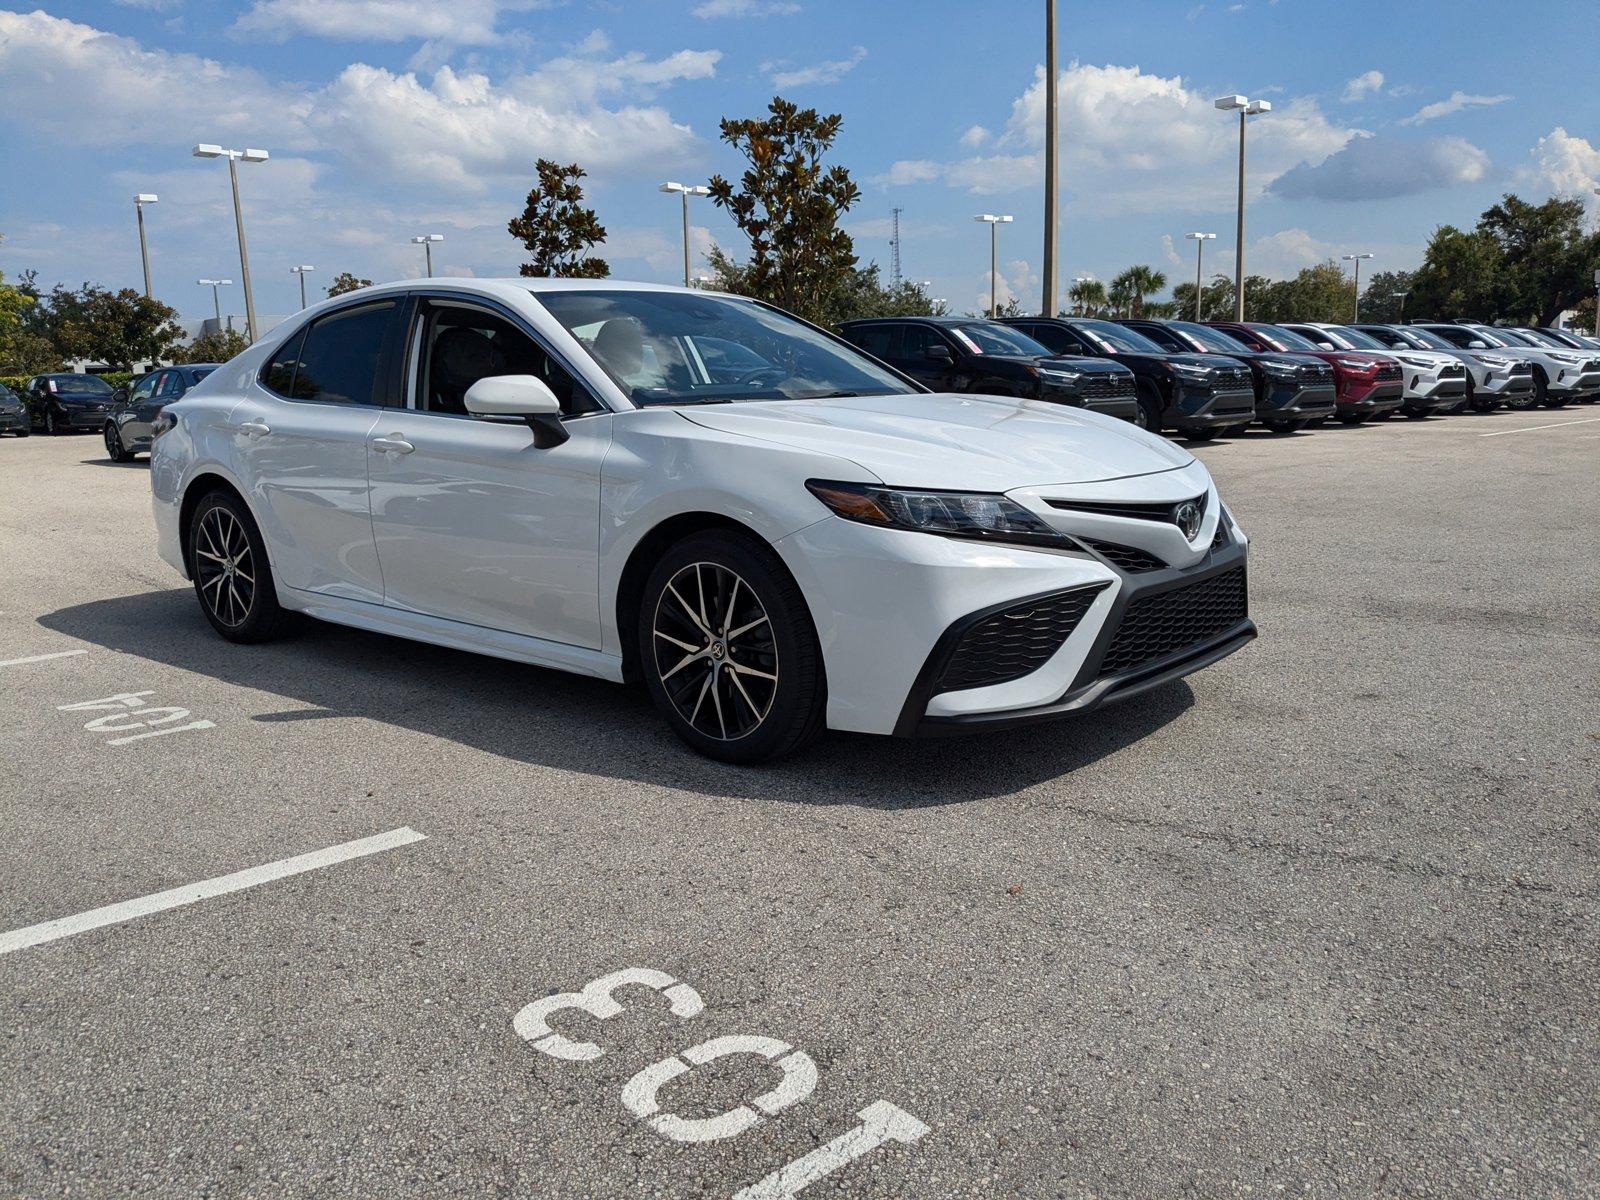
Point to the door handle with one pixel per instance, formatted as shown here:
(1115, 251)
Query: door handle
(255, 429)
(394, 444)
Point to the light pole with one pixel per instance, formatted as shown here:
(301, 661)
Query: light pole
(994, 223)
(216, 302)
(139, 202)
(1200, 240)
(233, 156)
(1355, 312)
(302, 272)
(1052, 142)
(426, 241)
(1401, 296)
(1246, 107)
(685, 190)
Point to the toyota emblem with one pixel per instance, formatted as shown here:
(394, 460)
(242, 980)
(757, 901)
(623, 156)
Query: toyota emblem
(1187, 516)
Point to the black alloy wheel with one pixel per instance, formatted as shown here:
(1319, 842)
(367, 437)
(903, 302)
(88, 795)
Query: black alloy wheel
(232, 578)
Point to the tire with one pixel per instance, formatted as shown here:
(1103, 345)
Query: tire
(1236, 430)
(751, 697)
(1286, 426)
(1484, 404)
(115, 450)
(50, 424)
(1417, 414)
(24, 432)
(241, 604)
(1354, 418)
(1200, 435)
(1150, 410)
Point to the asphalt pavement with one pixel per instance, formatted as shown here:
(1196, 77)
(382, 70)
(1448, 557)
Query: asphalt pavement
(1318, 921)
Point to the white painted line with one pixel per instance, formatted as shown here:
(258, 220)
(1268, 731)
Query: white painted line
(17, 662)
(113, 914)
(1537, 428)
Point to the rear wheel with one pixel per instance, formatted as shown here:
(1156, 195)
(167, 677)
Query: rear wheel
(728, 650)
(232, 578)
(115, 450)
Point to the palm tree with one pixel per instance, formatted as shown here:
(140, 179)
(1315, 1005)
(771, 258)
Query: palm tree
(1088, 296)
(1136, 284)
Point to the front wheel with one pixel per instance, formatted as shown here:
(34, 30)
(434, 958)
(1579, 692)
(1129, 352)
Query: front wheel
(50, 426)
(1149, 411)
(728, 651)
(1286, 426)
(232, 578)
(115, 450)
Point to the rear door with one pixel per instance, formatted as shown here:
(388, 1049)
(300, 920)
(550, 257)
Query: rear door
(300, 441)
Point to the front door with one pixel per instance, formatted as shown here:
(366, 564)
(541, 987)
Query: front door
(473, 521)
(301, 435)
(929, 358)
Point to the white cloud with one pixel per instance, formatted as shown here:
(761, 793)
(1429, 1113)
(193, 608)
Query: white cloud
(1564, 164)
(1378, 168)
(460, 21)
(830, 71)
(1169, 251)
(745, 8)
(1285, 253)
(1130, 134)
(1362, 85)
(1444, 108)
(975, 136)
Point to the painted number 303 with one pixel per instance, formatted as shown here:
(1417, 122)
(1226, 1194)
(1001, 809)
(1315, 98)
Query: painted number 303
(880, 1121)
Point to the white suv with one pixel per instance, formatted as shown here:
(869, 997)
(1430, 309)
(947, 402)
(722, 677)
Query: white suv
(1493, 378)
(1556, 373)
(1434, 381)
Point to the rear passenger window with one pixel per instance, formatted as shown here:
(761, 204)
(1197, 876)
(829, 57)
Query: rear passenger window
(336, 360)
(876, 340)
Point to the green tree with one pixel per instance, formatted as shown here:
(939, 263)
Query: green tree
(344, 282)
(1583, 315)
(556, 229)
(23, 350)
(118, 328)
(1134, 287)
(1088, 297)
(1462, 274)
(213, 347)
(1380, 299)
(1216, 299)
(788, 204)
(860, 292)
(1549, 258)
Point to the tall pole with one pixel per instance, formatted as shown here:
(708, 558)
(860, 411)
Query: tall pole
(1199, 255)
(1238, 233)
(1052, 135)
(244, 253)
(427, 255)
(216, 303)
(994, 279)
(684, 196)
(139, 202)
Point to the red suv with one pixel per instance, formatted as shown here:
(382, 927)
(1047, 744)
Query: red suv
(1367, 384)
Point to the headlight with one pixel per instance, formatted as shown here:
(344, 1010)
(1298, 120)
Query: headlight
(1190, 371)
(1281, 370)
(1056, 376)
(1355, 364)
(977, 515)
(1496, 364)
(1420, 363)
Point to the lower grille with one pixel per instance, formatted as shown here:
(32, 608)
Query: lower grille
(1125, 558)
(1016, 642)
(1168, 622)
(1107, 387)
(1390, 373)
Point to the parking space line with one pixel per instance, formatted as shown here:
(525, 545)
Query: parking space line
(113, 914)
(17, 662)
(1536, 428)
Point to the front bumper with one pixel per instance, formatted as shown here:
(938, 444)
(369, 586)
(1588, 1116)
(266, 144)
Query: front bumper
(13, 420)
(1293, 401)
(1426, 392)
(1505, 386)
(82, 418)
(1123, 408)
(1384, 396)
(1201, 407)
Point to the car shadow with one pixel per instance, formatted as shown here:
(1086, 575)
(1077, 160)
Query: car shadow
(573, 723)
(121, 466)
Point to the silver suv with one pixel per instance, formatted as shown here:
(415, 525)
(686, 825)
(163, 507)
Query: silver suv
(1493, 379)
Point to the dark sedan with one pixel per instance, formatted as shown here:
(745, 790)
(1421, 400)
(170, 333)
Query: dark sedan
(67, 403)
(128, 426)
(13, 413)
(970, 354)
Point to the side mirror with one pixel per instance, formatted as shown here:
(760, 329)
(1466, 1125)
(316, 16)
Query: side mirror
(519, 398)
(120, 395)
(939, 352)
(1475, 344)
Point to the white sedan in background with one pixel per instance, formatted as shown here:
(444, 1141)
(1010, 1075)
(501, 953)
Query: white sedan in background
(772, 530)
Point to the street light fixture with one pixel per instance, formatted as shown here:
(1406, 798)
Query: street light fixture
(1245, 107)
(216, 302)
(139, 202)
(302, 272)
(206, 150)
(1200, 240)
(426, 241)
(1356, 258)
(994, 222)
(685, 190)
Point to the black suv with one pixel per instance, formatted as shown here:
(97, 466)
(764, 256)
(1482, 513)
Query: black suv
(1292, 390)
(13, 413)
(63, 402)
(969, 354)
(1199, 395)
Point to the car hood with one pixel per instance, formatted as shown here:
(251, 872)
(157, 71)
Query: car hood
(954, 442)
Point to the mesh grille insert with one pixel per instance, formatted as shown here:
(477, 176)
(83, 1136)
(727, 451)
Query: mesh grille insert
(1154, 627)
(1016, 642)
(1127, 558)
(1099, 387)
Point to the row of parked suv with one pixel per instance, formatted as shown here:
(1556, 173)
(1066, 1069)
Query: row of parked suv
(1205, 378)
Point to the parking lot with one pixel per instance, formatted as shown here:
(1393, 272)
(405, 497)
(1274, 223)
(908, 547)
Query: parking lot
(1320, 920)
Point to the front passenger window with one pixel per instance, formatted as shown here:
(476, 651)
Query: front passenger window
(463, 345)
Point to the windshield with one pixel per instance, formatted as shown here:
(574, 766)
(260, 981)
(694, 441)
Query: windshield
(1534, 337)
(1206, 339)
(1424, 339)
(199, 373)
(1280, 338)
(1507, 337)
(79, 385)
(1354, 339)
(1117, 338)
(683, 348)
(985, 338)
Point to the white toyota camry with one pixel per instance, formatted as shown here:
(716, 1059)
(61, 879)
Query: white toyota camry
(775, 532)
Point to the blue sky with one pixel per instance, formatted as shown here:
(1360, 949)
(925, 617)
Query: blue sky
(387, 118)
